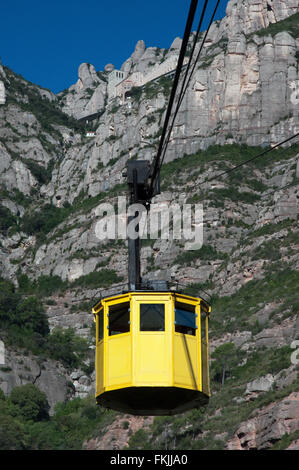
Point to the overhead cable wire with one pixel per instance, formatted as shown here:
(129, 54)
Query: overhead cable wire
(185, 85)
(182, 92)
(276, 190)
(183, 49)
(250, 159)
(207, 180)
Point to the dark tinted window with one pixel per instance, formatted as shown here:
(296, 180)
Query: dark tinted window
(185, 319)
(119, 318)
(203, 325)
(203, 316)
(101, 326)
(152, 317)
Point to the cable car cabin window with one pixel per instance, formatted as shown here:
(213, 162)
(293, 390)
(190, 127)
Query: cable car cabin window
(101, 325)
(119, 319)
(152, 317)
(203, 325)
(185, 319)
(203, 316)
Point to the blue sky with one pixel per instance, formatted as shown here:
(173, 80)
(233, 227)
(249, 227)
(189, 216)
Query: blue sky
(47, 41)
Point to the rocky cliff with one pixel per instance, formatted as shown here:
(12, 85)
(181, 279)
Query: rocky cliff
(241, 100)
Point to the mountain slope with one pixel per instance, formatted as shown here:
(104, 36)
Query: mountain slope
(241, 100)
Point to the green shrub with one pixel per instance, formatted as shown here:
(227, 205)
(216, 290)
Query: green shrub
(270, 228)
(43, 286)
(7, 219)
(226, 357)
(42, 174)
(205, 253)
(12, 436)
(32, 403)
(285, 441)
(30, 314)
(237, 312)
(9, 300)
(289, 24)
(135, 93)
(25, 283)
(72, 423)
(47, 112)
(262, 362)
(50, 302)
(227, 155)
(24, 322)
(21, 313)
(219, 195)
(102, 278)
(65, 346)
(139, 440)
(43, 221)
(48, 285)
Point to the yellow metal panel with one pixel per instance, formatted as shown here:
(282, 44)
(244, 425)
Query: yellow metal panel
(199, 357)
(152, 359)
(118, 360)
(186, 299)
(100, 368)
(205, 361)
(185, 356)
(99, 354)
(117, 299)
(117, 354)
(151, 297)
(152, 349)
(186, 351)
(204, 316)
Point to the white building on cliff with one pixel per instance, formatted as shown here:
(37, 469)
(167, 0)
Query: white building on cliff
(119, 82)
(2, 93)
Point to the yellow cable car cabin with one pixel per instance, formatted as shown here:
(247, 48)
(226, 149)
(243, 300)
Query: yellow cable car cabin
(151, 342)
(152, 352)
(151, 345)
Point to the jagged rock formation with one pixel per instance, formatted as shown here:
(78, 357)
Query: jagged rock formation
(49, 376)
(250, 16)
(268, 425)
(88, 95)
(242, 91)
(117, 435)
(231, 98)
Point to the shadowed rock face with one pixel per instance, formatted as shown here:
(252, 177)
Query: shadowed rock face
(118, 434)
(268, 425)
(88, 95)
(87, 75)
(248, 16)
(49, 376)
